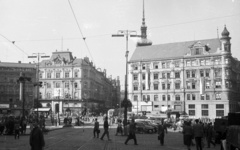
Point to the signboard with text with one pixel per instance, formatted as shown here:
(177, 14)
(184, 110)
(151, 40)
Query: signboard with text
(4, 105)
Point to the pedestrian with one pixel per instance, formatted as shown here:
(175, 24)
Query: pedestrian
(187, 134)
(16, 128)
(198, 134)
(132, 133)
(161, 133)
(96, 128)
(105, 126)
(223, 135)
(210, 135)
(36, 138)
(119, 127)
(1, 126)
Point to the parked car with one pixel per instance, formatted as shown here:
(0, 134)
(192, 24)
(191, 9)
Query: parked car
(148, 123)
(144, 128)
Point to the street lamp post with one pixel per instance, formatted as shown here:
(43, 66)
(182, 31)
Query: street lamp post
(125, 102)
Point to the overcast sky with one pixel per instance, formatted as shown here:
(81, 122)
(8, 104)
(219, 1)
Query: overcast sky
(40, 25)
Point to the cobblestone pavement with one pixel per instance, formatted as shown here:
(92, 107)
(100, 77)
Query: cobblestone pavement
(82, 139)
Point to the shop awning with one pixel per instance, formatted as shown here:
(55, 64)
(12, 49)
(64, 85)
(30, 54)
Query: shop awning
(42, 109)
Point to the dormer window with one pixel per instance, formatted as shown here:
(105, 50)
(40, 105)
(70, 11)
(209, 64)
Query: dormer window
(198, 51)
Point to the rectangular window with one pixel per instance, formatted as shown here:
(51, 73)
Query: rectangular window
(148, 97)
(163, 65)
(75, 85)
(168, 75)
(188, 97)
(193, 85)
(177, 63)
(168, 97)
(163, 75)
(204, 106)
(168, 86)
(201, 73)
(168, 65)
(191, 112)
(155, 86)
(155, 97)
(207, 84)
(217, 61)
(177, 85)
(202, 97)
(163, 97)
(76, 74)
(193, 97)
(143, 87)
(219, 106)
(204, 112)
(218, 84)
(207, 72)
(207, 97)
(135, 97)
(194, 63)
(193, 74)
(57, 85)
(143, 67)
(40, 75)
(156, 106)
(143, 76)
(219, 113)
(202, 62)
(156, 66)
(218, 72)
(49, 75)
(177, 97)
(191, 106)
(218, 96)
(144, 98)
(177, 74)
(135, 77)
(66, 84)
(188, 85)
(155, 76)
(135, 87)
(48, 85)
(58, 75)
(188, 74)
(189, 63)
(163, 86)
(135, 67)
(66, 74)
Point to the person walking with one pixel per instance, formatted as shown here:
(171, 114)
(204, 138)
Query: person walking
(96, 128)
(187, 134)
(105, 126)
(161, 133)
(132, 133)
(198, 134)
(210, 135)
(16, 129)
(119, 128)
(36, 138)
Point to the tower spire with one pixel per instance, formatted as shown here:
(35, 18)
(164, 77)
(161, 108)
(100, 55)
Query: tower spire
(144, 41)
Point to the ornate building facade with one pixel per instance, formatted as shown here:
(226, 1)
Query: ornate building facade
(10, 88)
(69, 82)
(201, 78)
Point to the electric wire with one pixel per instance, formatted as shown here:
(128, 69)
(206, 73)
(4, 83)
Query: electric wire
(84, 38)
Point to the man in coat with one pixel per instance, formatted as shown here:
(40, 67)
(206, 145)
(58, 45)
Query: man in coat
(36, 138)
(132, 131)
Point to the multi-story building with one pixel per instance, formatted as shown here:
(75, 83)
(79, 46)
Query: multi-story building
(10, 87)
(200, 78)
(74, 83)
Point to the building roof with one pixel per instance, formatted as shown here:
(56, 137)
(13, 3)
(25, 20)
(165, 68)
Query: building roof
(18, 65)
(170, 50)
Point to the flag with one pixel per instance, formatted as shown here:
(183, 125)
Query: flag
(202, 85)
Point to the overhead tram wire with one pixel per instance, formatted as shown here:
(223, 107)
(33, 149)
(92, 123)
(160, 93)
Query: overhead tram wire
(84, 38)
(94, 36)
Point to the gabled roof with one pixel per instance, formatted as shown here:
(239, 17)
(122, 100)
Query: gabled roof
(170, 50)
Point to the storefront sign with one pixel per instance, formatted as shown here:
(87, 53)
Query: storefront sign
(177, 103)
(4, 105)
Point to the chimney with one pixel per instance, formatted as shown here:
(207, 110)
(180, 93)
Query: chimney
(19, 62)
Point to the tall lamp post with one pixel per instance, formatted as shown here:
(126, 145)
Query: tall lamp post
(125, 102)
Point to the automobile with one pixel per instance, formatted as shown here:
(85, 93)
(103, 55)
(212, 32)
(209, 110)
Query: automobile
(144, 128)
(155, 126)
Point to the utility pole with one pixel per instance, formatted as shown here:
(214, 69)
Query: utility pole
(37, 55)
(125, 103)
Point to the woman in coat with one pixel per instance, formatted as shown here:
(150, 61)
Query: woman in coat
(187, 134)
(36, 138)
